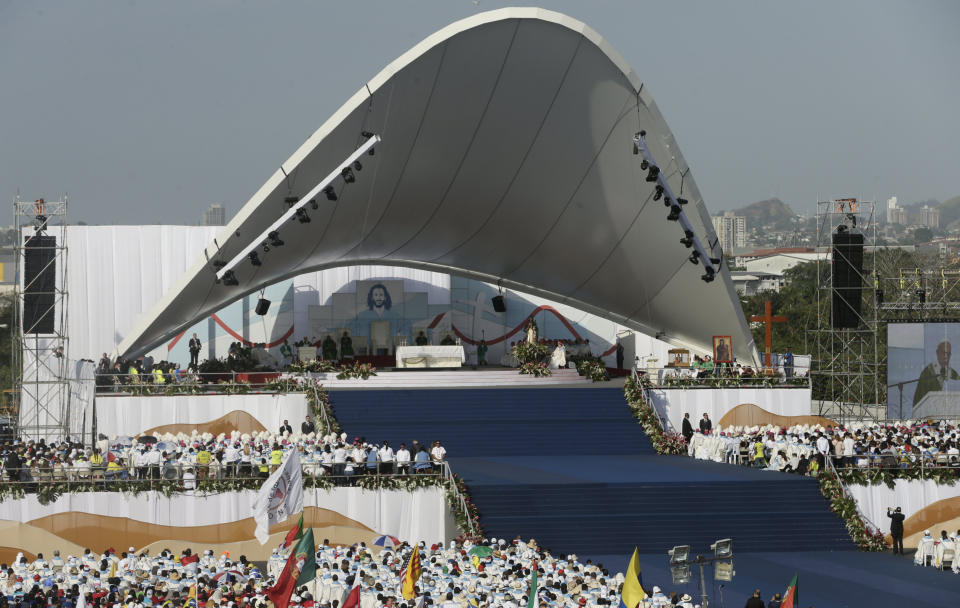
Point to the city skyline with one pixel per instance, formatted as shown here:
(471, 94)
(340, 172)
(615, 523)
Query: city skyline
(145, 113)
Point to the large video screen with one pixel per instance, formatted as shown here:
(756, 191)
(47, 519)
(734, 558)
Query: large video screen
(922, 377)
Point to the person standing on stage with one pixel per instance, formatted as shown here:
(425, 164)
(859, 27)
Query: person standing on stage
(896, 529)
(194, 351)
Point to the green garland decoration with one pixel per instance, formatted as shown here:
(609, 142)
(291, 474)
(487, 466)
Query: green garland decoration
(664, 443)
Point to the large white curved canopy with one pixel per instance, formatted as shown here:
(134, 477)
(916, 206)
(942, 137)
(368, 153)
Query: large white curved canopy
(505, 156)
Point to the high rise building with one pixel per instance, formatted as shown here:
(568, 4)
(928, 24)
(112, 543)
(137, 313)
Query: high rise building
(731, 231)
(895, 214)
(215, 215)
(930, 216)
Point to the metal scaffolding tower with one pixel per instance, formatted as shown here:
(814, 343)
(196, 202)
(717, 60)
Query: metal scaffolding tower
(40, 345)
(848, 368)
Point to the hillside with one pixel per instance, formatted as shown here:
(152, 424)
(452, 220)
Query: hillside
(769, 211)
(950, 213)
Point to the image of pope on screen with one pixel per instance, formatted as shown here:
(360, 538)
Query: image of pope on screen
(921, 380)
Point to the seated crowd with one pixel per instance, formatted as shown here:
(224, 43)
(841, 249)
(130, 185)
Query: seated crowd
(804, 448)
(498, 576)
(938, 552)
(189, 458)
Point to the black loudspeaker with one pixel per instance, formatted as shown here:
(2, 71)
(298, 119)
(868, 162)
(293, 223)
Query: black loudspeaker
(39, 284)
(499, 304)
(847, 280)
(263, 305)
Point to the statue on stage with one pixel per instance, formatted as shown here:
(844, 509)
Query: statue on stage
(531, 329)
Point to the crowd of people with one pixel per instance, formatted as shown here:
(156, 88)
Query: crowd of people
(192, 458)
(938, 552)
(804, 448)
(493, 574)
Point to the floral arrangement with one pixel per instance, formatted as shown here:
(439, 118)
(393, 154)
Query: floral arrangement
(593, 369)
(663, 442)
(357, 370)
(529, 352)
(874, 477)
(463, 518)
(535, 369)
(846, 508)
(321, 366)
(731, 382)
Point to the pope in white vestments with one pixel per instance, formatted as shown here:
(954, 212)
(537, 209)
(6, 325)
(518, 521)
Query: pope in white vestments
(559, 357)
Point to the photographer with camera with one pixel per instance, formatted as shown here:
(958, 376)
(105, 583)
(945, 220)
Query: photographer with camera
(896, 528)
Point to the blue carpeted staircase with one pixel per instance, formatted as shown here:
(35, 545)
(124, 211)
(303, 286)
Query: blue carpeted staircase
(571, 468)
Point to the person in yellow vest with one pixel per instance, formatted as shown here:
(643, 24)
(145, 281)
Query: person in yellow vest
(276, 458)
(97, 464)
(203, 463)
(158, 376)
(264, 468)
(115, 470)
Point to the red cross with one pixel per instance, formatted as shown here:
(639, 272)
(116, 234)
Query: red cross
(768, 320)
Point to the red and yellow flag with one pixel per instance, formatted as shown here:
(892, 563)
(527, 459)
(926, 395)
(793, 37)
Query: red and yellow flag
(410, 575)
(791, 598)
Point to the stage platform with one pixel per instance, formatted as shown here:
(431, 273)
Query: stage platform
(484, 377)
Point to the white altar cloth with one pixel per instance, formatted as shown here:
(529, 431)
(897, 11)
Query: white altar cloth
(431, 356)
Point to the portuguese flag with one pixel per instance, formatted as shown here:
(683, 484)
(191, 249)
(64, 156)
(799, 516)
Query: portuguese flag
(294, 534)
(791, 598)
(532, 593)
(301, 568)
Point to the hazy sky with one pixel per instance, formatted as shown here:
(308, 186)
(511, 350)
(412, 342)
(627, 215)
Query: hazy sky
(146, 112)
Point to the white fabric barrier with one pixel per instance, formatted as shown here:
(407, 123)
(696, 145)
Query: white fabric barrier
(417, 515)
(673, 403)
(910, 495)
(135, 414)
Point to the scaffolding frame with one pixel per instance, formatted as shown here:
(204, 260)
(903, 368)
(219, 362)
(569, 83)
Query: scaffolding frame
(39, 360)
(847, 363)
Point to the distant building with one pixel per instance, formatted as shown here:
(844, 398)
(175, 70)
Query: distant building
(731, 231)
(775, 261)
(929, 217)
(215, 215)
(752, 283)
(895, 214)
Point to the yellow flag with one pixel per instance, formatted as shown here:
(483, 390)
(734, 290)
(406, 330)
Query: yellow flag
(633, 592)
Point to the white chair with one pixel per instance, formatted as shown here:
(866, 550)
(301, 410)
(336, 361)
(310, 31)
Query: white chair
(924, 551)
(944, 554)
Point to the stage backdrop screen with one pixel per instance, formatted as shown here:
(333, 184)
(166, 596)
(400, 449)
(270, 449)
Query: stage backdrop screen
(922, 377)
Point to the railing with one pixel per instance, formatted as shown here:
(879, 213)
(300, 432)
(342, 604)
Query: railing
(231, 476)
(843, 488)
(688, 377)
(461, 500)
(876, 462)
(645, 395)
(186, 383)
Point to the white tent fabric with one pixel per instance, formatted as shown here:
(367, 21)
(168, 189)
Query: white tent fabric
(135, 414)
(505, 157)
(673, 403)
(910, 495)
(417, 515)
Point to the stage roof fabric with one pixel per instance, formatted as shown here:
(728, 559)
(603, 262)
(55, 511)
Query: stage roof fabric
(506, 156)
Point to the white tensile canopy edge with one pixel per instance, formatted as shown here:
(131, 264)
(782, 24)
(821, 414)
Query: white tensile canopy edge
(505, 157)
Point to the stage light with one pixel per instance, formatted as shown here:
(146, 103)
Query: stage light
(347, 175)
(275, 239)
(679, 554)
(687, 239)
(366, 134)
(230, 279)
(255, 259)
(722, 548)
(652, 173)
(682, 201)
(694, 257)
(357, 165)
(708, 276)
(263, 305)
(667, 202)
(331, 193)
(290, 200)
(313, 204)
(644, 165)
(680, 574)
(715, 261)
(302, 216)
(658, 193)
(674, 213)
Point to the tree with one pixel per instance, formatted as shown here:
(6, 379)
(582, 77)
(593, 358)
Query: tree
(922, 235)
(797, 300)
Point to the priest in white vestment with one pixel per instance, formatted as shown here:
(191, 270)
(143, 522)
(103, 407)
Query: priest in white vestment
(559, 357)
